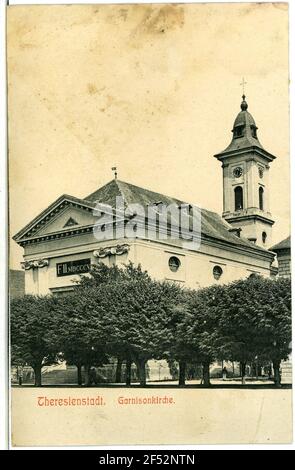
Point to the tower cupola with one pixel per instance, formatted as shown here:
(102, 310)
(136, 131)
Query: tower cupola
(244, 130)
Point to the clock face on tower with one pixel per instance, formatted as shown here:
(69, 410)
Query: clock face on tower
(237, 172)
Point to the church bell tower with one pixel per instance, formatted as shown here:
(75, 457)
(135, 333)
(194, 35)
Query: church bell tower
(246, 166)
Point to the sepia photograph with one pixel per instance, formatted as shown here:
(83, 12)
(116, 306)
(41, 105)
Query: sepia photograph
(149, 224)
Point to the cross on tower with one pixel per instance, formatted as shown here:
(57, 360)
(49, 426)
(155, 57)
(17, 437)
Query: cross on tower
(243, 83)
(114, 169)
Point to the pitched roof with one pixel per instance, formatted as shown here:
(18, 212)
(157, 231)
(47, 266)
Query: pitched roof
(282, 245)
(212, 225)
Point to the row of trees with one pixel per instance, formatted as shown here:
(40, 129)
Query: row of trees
(122, 313)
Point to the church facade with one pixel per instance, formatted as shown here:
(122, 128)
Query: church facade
(60, 243)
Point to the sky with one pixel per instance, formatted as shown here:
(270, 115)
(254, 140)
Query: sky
(151, 89)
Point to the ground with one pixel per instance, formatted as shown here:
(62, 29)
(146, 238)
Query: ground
(218, 383)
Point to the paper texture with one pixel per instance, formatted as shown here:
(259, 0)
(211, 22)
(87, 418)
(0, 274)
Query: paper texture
(153, 90)
(219, 417)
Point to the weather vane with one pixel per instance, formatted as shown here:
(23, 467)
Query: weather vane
(114, 169)
(243, 83)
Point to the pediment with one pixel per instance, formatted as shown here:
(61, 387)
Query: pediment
(70, 217)
(66, 213)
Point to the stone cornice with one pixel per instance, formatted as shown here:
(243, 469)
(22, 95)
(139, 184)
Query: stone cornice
(239, 218)
(256, 150)
(257, 251)
(57, 235)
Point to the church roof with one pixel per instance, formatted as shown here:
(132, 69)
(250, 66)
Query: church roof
(282, 245)
(132, 194)
(244, 133)
(212, 225)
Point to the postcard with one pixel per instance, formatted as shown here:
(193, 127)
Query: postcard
(149, 224)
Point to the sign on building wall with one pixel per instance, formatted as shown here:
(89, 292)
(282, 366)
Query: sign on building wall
(68, 268)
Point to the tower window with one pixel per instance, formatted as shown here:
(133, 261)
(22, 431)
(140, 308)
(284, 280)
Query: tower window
(238, 198)
(253, 132)
(238, 131)
(261, 193)
(264, 237)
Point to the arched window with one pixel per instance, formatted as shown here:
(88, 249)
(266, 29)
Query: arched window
(261, 191)
(238, 198)
(264, 237)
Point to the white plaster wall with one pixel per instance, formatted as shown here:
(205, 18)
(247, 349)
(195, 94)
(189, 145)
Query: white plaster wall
(196, 269)
(41, 280)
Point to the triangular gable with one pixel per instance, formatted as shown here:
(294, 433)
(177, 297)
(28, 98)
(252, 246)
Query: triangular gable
(51, 218)
(62, 220)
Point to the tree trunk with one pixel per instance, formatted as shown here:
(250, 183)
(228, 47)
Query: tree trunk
(128, 372)
(182, 371)
(276, 370)
(141, 372)
(243, 372)
(79, 374)
(206, 374)
(118, 378)
(38, 377)
(87, 378)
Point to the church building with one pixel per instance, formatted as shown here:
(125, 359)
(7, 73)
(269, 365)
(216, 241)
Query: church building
(59, 244)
